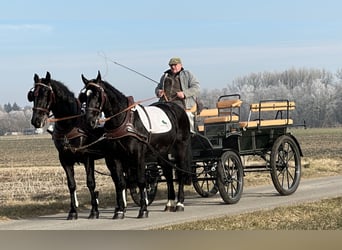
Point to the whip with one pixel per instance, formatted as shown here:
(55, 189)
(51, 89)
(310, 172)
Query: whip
(128, 68)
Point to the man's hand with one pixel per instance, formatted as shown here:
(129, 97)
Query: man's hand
(180, 95)
(160, 93)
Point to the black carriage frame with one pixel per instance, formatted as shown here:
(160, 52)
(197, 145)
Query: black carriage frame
(222, 140)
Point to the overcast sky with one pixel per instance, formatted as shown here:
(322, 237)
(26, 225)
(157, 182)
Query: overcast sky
(217, 40)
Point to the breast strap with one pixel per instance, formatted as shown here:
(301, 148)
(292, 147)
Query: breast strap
(127, 128)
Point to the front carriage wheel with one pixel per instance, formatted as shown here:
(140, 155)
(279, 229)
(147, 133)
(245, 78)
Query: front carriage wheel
(204, 178)
(285, 165)
(230, 177)
(152, 178)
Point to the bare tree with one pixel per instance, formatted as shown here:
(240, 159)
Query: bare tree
(317, 93)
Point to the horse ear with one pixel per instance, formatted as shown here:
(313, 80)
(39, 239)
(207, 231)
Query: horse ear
(48, 76)
(85, 80)
(36, 78)
(98, 78)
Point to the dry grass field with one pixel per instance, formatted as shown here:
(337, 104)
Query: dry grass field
(33, 182)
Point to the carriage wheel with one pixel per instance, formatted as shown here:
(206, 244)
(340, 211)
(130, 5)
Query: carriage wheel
(204, 179)
(285, 165)
(230, 177)
(152, 178)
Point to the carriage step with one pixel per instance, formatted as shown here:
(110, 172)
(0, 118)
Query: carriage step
(253, 170)
(256, 168)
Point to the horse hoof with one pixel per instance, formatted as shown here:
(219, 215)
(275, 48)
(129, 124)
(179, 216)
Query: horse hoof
(118, 215)
(72, 216)
(169, 209)
(143, 214)
(179, 209)
(94, 215)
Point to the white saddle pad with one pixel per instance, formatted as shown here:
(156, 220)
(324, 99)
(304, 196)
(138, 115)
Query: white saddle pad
(154, 119)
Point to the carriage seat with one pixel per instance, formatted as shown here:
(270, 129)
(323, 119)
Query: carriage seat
(266, 123)
(278, 106)
(219, 119)
(224, 104)
(273, 106)
(225, 112)
(205, 113)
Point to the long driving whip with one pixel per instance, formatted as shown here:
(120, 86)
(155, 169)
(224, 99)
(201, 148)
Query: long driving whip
(130, 69)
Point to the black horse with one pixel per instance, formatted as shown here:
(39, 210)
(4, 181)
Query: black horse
(70, 135)
(132, 141)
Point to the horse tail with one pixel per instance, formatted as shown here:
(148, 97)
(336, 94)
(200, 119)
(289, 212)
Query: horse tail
(185, 140)
(188, 175)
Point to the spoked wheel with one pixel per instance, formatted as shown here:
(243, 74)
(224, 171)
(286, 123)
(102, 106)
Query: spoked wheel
(204, 178)
(230, 177)
(285, 165)
(152, 178)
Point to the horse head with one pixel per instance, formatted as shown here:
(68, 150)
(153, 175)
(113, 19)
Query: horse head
(43, 98)
(94, 97)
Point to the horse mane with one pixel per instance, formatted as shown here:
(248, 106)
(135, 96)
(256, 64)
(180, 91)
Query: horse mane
(112, 89)
(62, 91)
(121, 99)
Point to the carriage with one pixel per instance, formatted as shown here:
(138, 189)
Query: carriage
(223, 143)
(138, 159)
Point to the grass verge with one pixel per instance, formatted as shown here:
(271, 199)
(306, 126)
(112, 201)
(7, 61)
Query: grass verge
(322, 215)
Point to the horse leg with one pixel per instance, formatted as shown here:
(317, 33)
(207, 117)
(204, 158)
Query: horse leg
(69, 170)
(121, 203)
(180, 196)
(115, 167)
(171, 196)
(89, 167)
(143, 212)
(184, 174)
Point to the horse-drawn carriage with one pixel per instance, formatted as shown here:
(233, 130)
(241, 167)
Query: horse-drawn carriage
(139, 159)
(222, 142)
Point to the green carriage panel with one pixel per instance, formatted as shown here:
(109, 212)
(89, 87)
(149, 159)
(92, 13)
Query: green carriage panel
(257, 140)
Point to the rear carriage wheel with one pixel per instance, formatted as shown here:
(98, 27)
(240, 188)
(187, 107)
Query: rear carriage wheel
(285, 165)
(204, 178)
(230, 177)
(152, 178)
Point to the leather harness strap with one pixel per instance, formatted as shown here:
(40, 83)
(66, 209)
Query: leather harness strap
(127, 128)
(74, 133)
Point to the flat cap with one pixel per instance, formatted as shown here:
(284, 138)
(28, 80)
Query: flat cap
(175, 60)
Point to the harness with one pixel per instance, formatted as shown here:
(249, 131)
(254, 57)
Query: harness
(127, 128)
(72, 134)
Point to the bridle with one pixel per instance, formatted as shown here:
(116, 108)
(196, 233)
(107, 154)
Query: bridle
(34, 93)
(103, 100)
(103, 97)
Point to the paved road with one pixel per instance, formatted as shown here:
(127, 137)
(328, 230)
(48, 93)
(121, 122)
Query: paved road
(195, 208)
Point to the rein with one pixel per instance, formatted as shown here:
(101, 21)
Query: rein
(64, 118)
(47, 110)
(88, 145)
(102, 120)
(169, 99)
(126, 109)
(169, 163)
